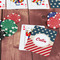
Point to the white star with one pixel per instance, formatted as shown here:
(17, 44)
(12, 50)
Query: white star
(13, 13)
(9, 34)
(59, 18)
(48, 25)
(12, 27)
(6, 29)
(7, 15)
(16, 27)
(10, 30)
(54, 27)
(19, 19)
(13, 32)
(18, 15)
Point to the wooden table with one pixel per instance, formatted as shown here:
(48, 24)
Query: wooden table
(10, 45)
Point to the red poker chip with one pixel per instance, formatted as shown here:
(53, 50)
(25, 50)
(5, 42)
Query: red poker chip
(54, 22)
(15, 17)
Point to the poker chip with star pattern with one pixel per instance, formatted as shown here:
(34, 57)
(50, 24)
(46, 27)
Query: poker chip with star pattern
(54, 22)
(9, 27)
(13, 16)
(55, 3)
(51, 14)
(2, 34)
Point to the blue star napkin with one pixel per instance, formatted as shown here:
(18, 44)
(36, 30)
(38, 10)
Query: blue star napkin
(55, 3)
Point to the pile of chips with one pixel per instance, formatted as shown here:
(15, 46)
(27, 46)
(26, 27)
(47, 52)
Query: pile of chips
(8, 26)
(53, 20)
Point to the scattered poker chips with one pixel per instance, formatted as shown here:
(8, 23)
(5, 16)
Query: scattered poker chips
(51, 14)
(53, 20)
(9, 27)
(13, 16)
(2, 34)
(55, 3)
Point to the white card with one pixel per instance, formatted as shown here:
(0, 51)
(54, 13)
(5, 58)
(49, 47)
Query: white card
(16, 4)
(23, 37)
(2, 4)
(38, 4)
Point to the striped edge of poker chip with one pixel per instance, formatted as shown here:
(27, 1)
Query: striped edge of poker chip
(0, 24)
(54, 22)
(2, 34)
(13, 16)
(9, 27)
(51, 14)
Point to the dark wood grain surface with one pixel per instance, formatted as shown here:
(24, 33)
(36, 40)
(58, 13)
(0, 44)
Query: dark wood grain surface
(10, 45)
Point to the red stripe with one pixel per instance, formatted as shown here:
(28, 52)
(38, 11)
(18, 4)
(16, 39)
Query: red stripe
(29, 40)
(41, 49)
(46, 53)
(34, 47)
(29, 43)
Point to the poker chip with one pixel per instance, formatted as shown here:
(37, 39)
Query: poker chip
(54, 22)
(2, 34)
(9, 27)
(0, 23)
(15, 17)
(51, 14)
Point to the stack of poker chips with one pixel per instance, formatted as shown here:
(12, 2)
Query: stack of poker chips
(17, 2)
(8, 26)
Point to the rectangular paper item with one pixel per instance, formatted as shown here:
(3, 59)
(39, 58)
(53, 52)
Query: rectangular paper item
(23, 37)
(2, 4)
(11, 5)
(33, 5)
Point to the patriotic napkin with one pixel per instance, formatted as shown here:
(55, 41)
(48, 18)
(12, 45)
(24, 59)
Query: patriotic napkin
(41, 41)
(55, 3)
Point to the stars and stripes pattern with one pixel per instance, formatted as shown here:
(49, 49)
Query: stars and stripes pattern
(55, 3)
(30, 46)
(50, 33)
(45, 50)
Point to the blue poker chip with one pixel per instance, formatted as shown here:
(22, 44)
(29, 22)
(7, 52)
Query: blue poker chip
(51, 14)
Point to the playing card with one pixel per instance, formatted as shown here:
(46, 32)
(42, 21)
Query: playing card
(2, 4)
(23, 37)
(38, 4)
(16, 4)
(41, 41)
